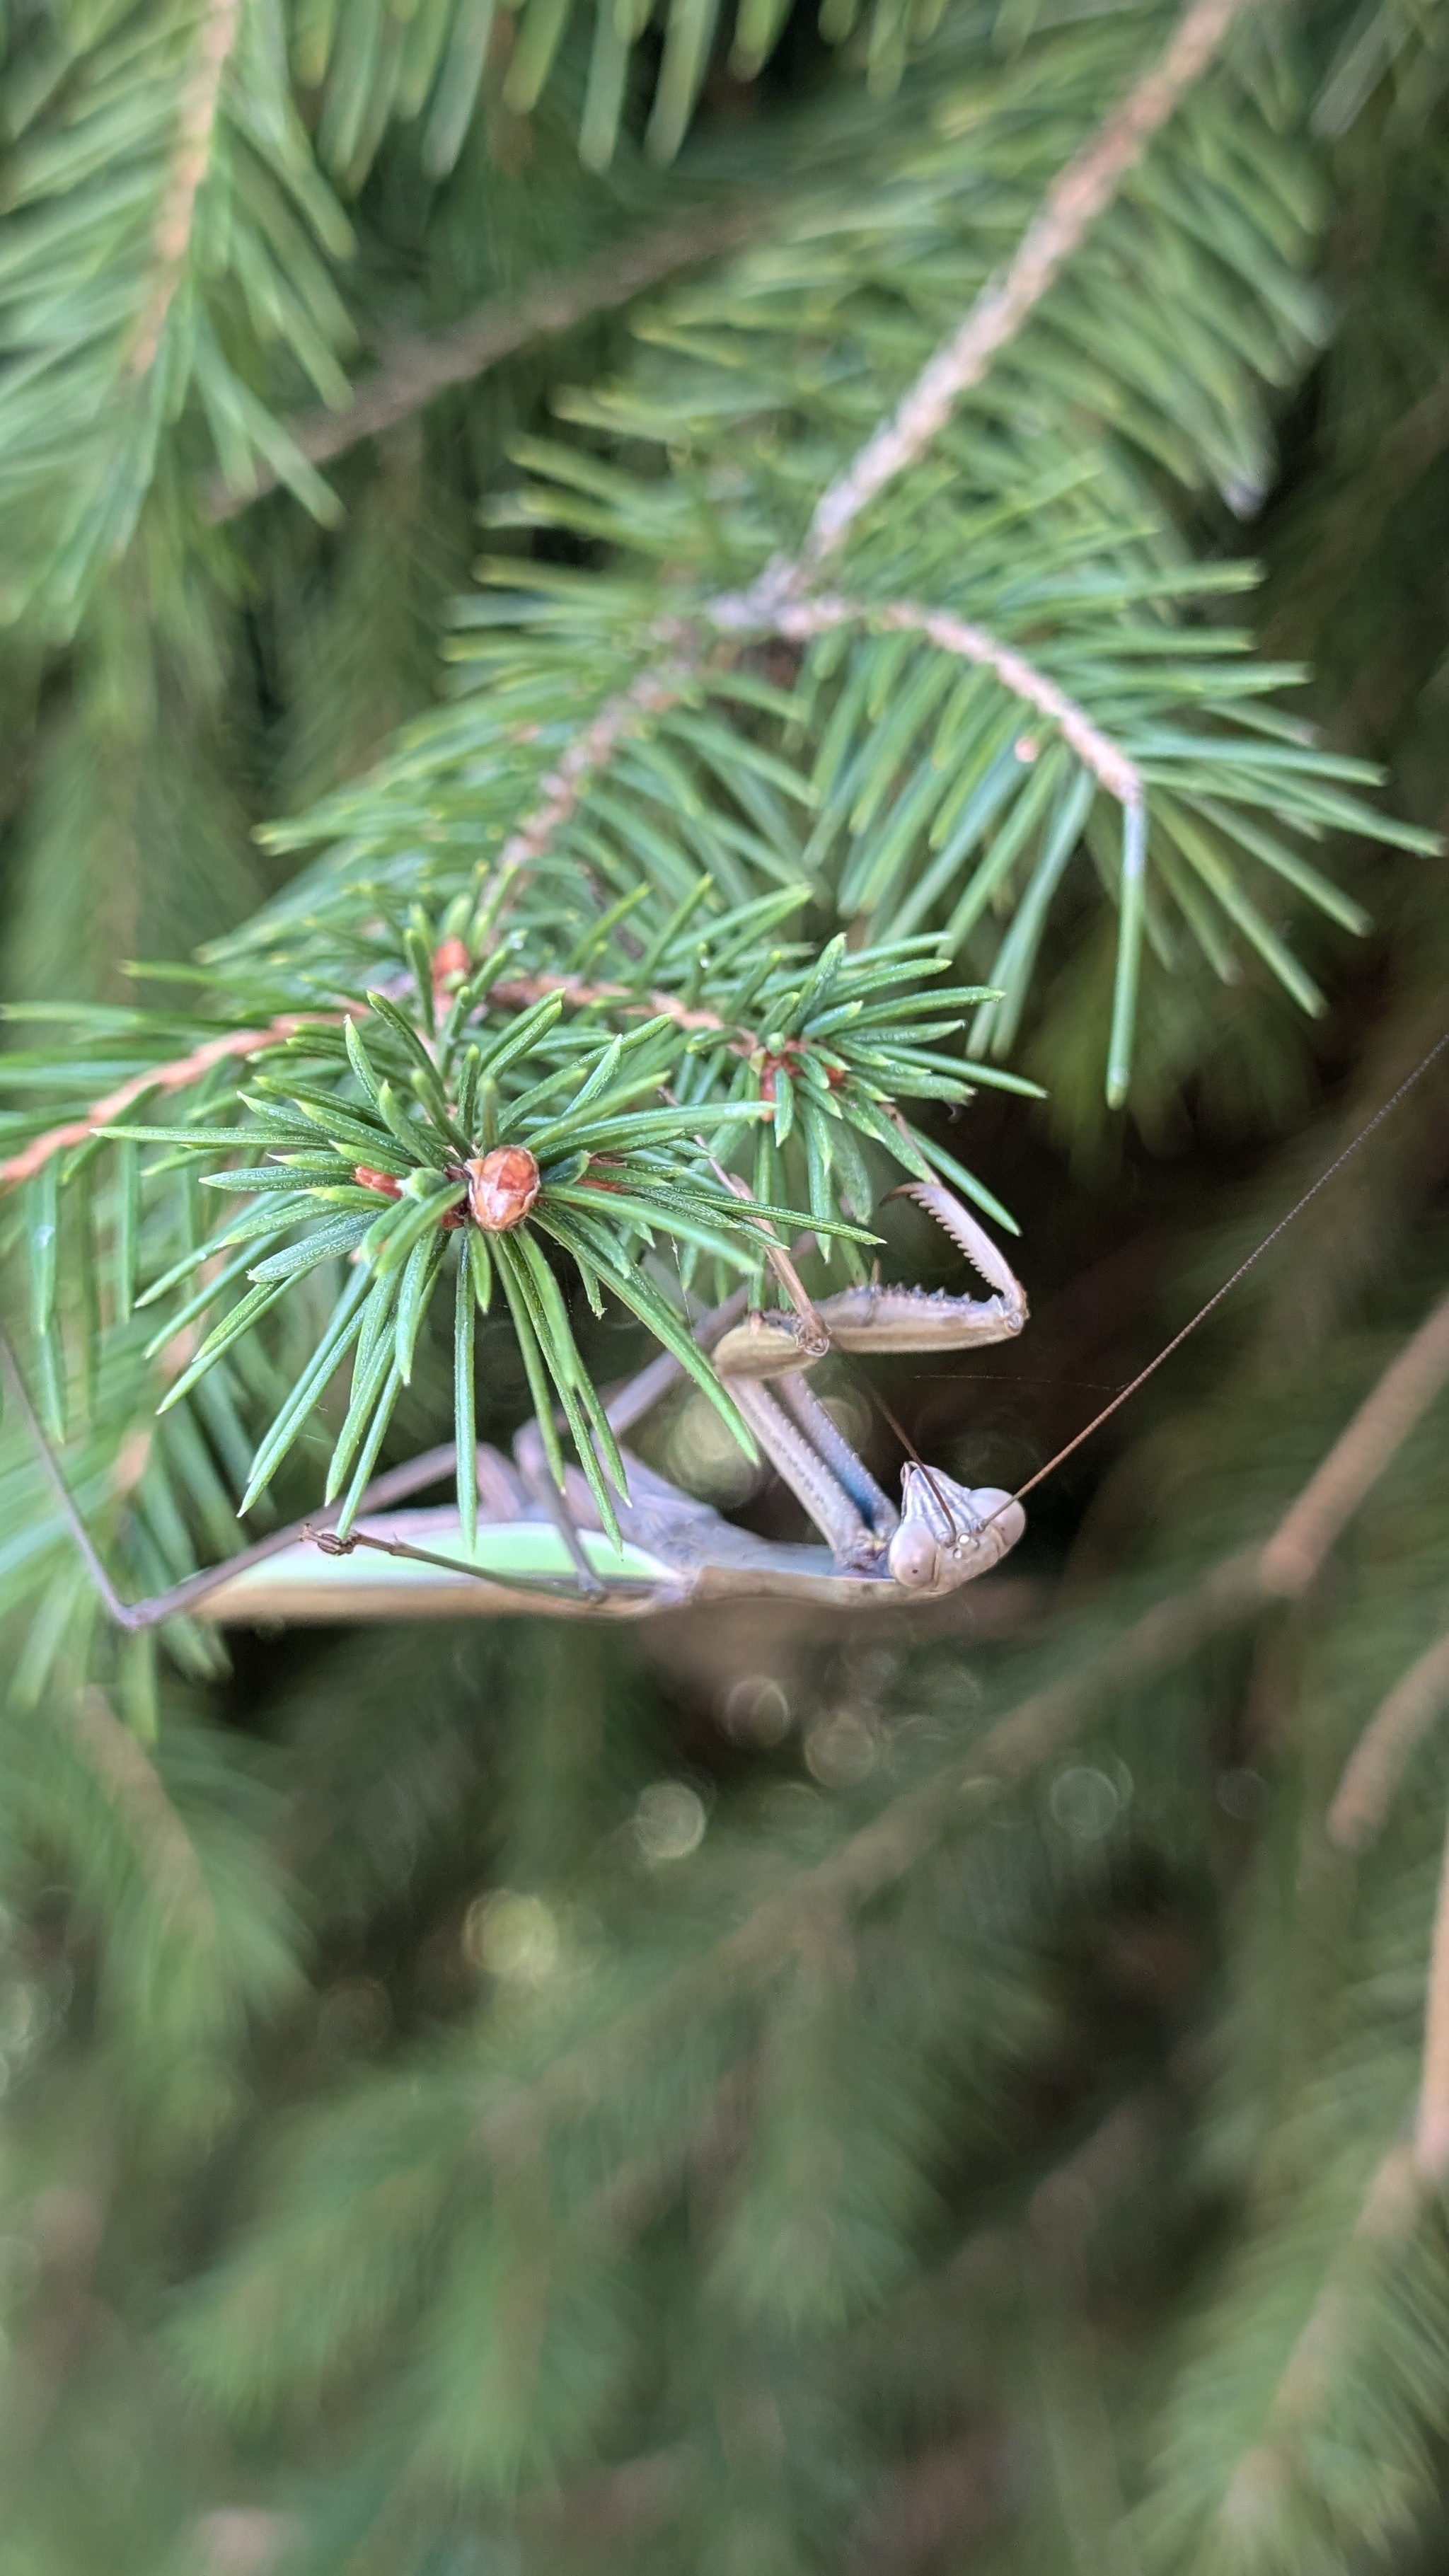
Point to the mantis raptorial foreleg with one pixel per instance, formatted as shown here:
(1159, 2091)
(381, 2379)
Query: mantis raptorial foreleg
(818, 1464)
(944, 1534)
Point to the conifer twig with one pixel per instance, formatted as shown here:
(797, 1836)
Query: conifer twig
(423, 365)
(798, 620)
(1077, 197)
(517, 992)
(165, 1854)
(561, 791)
(775, 605)
(780, 602)
(1383, 1422)
(415, 370)
(196, 123)
(1389, 2213)
(176, 1075)
(1391, 1736)
(1431, 2126)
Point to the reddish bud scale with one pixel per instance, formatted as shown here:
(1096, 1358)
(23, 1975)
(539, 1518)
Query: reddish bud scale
(451, 962)
(502, 1188)
(388, 1188)
(771, 1064)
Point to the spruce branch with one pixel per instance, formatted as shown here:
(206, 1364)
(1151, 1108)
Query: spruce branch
(1392, 2207)
(179, 1074)
(783, 602)
(1083, 192)
(1299, 1546)
(673, 795)
(1431, 2124)
(170, 258)
(519, 992)
(165, 1854)
(799, 621)
(800, 2128)
(414, 370)
(1388, 1743)
(778, 604)
(510, 993)
(590, 753)
(195, 125)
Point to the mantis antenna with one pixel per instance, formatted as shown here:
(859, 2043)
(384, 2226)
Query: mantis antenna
(1124, 1393)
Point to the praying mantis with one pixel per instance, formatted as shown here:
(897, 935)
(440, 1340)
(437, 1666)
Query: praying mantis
(537, 1549)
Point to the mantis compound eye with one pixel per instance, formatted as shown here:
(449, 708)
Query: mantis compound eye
(914, 1557)
(998, 1521)
(502, 1187)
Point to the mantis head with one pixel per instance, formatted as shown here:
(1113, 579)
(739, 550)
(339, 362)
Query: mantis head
(950, 1533)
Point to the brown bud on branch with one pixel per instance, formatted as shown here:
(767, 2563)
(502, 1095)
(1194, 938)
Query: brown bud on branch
(502, 1188)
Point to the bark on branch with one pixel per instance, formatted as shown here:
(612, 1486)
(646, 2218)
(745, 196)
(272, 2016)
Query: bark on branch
(1077, 197)
(1393, 1734)
(417, 369)
(176, 1075)
(196, 125)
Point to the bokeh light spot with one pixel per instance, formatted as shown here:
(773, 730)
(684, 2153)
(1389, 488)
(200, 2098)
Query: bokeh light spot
(841, 1750)
(1085, 1803)
(514, 1938)
(669, 1820)
(757, 1709)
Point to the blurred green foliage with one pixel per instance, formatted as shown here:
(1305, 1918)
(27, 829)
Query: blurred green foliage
(499, 2098)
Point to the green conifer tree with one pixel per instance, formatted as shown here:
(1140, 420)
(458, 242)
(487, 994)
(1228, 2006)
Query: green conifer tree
(746, 2091)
